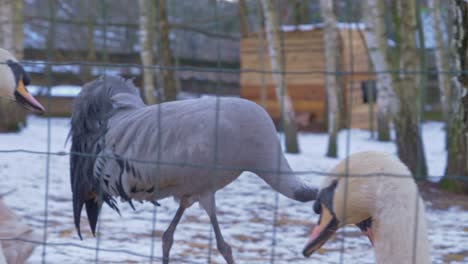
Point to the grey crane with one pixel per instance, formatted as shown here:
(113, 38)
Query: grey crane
(13, 81)
(186, 149)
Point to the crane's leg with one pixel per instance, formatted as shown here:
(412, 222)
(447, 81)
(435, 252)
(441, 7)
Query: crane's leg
(208, 203)
(2, 256)
(168, 236)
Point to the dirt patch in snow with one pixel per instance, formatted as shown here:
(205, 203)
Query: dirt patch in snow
(441, 199)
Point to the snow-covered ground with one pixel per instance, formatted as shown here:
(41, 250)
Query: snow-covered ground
(245, 209)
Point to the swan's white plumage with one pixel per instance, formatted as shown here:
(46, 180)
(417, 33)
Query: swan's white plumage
(7, 83)
(11, 225)
(390, 196)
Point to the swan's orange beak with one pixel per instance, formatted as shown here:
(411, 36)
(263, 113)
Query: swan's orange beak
(326, 227)
(26, 99)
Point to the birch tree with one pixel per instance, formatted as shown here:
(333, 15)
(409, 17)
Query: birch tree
(11, 26)
(87, 8)
(261, 55)
(243, 18)
(376, 41)
(330, 43)
(406, 85)
(7, 26)
(168, 76)
(277, 66)
(441, 58)
(300, 12)
(147, 17)
(11, 39)
(18, 35)
(457, 154)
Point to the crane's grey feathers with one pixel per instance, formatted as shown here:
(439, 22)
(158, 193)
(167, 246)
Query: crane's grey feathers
(91, 111)
(185, 149)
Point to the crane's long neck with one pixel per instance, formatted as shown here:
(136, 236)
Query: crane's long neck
(287, 183)
(400, 234)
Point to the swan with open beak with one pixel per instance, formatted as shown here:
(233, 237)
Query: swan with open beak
(379, 196)
(14, 80)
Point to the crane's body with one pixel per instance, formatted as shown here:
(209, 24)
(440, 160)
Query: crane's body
(185, 149)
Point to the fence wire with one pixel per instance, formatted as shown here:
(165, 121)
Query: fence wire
(50, 63)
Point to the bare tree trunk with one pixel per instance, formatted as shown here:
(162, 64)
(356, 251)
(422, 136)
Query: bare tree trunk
(376, 42)
(277, 66)
(18, 35)
(91, 53)
(7, 25)
(457, 155)
(11, 14)
(341, 83)
(169, 83)
(300, 12)
(261, 52)
(441, 59)
(12, 117)
(423, 69)
(243, 18)
(330, 42)
(147, 11)
(3, 22)
(406, 84)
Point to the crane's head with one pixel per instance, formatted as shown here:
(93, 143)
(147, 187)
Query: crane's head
(13, 82)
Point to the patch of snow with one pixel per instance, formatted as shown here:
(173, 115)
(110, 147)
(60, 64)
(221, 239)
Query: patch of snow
(245, 208)
(34, 66)
(59, 90)
(307, 27)
(66, 68)
(65, 90)
(35, 89)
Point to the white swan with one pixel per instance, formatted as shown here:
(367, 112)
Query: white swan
(384, 203)
(15, 246)
(13, 81)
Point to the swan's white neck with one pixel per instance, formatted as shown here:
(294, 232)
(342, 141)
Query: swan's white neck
(391, 199)
(399, 228)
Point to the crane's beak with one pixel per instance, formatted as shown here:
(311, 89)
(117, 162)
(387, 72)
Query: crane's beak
(326, 227)
(26, 99)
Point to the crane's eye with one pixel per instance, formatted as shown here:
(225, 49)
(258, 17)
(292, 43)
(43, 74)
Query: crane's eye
(317, 207)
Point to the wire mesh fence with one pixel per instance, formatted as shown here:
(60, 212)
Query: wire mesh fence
(146, 230)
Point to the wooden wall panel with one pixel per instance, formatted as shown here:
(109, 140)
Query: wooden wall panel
(304, 53)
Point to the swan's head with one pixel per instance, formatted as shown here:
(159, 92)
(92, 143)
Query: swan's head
(13, 82)
(335, 211)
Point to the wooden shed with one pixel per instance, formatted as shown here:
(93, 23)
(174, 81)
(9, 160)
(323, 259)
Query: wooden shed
(305, 78)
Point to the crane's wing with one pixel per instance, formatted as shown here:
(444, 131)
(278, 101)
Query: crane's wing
(117, 176)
